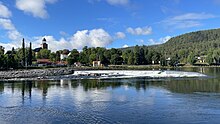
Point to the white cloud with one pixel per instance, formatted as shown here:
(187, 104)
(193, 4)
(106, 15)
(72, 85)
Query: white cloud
(4, 11)
(125, 46)
(91, 38)
(113, 2)
(7, 25)
(12, 32)
(187, 20)
(140, 30)
(120, 35)
(53, 44)
(160, 41)
(118, 2)
(35, 7)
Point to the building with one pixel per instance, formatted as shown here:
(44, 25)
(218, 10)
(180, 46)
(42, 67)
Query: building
(44, 44)
(44, 62)
(201, 59)
(96, 64)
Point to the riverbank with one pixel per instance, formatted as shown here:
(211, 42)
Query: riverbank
(35, 73)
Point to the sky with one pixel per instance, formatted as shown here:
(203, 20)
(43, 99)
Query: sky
(73, 24)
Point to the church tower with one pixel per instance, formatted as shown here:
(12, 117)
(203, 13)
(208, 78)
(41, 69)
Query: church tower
(44, 44)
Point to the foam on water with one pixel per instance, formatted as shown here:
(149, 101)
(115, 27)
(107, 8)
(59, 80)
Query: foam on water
(106, 74)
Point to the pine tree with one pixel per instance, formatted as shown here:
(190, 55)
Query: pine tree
(23, 53)
(30, 55)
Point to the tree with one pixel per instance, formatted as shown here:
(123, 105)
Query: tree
(125, 56)
(30, 57)
(53, 57)
(2, 58)
(131, 58)
(57, 55)
(116, 59)
(23, 53)
(73, 57)
(137, 55)
(43, 54)
(209, 58)
(191, 59)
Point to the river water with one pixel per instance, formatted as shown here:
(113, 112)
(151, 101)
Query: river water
(169, 100)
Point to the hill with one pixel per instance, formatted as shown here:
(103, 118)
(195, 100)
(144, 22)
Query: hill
(199, 43)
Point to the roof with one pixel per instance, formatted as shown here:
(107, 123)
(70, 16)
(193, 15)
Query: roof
(37, 49)
(43, 61)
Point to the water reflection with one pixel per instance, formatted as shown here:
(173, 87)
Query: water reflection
(112, 101)
(173, 85)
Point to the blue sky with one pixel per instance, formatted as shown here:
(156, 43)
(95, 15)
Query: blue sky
(102, 23)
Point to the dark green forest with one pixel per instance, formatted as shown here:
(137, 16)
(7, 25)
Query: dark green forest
(195, 48)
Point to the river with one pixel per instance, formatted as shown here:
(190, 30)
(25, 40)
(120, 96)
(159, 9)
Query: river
(167, 100)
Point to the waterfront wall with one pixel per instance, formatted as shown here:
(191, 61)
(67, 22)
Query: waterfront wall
(33, 73)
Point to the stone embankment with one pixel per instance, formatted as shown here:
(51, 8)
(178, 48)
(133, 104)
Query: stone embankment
(35, 73)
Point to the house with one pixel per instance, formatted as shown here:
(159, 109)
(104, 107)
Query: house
(44, 62)
(96, 64)
(201, 59)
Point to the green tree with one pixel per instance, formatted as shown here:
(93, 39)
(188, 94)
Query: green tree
(137, 55)
(191, 59)
(43, 54)
(73, 57)
(30, 57)
(131, 58)
(53, 57)
(23, 53)
(209, 58)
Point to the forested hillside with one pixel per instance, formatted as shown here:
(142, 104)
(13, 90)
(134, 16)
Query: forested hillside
(200, 43)
(189, 46)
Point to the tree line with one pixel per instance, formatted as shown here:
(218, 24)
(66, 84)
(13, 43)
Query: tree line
(183, 49)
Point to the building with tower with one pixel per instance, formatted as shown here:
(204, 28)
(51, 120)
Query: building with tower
(44, 44)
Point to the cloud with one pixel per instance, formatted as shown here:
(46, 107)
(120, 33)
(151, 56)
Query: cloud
(140, 30)
(91, 38)
(118, 2)
(113, 2)
(12, 32)
(120, 35)
(7, 25)
(125, 46)
(35, 7)
(4, 11)
(160, 41)
(187, 20)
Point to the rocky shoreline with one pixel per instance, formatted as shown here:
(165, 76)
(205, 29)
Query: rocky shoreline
(35, 73)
